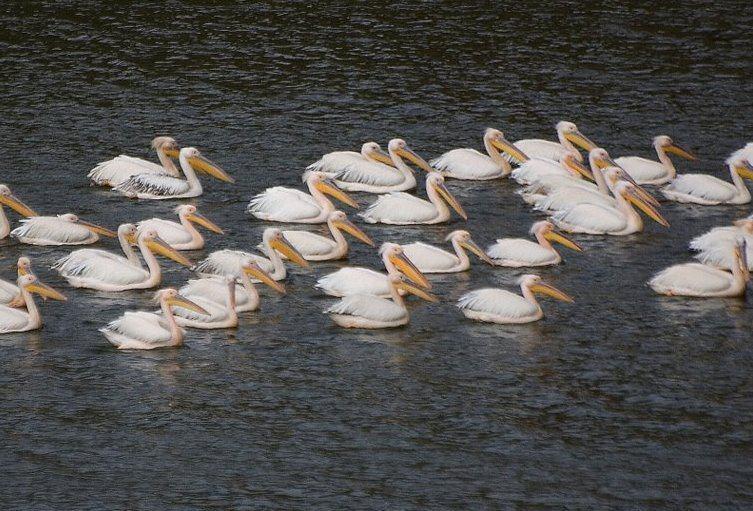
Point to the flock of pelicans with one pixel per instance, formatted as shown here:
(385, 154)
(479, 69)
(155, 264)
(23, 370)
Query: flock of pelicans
(597, 196)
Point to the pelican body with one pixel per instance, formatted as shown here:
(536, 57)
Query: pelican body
(568, 135)
(314, 247)
(371, 157)
(67, 229)
(218, 314)
(121, 168)
(715, 247)
(518, 252)
(534, 170)
(473, 165)
(709, 190)
(8, 199)
(22, 320)
(182, 235)
(431, 259)
(650, 172)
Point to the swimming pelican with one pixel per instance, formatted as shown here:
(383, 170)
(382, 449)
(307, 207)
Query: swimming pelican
(567, 133)
(22, 320)
(709, 190)
(141, 330)
(106, 271)
(474, 165)
(650, 172)
(518, 252)
(183, 235)
(163, 186)
(230, 262)
(356, 280)
(67, 229)
(369, 311)
(696, 279)
(8, 199)
(10, 294)
(501, 306)
(281, 204)
(315, 247)
(618, 221)
(715, 247)
(402, 208)
(534, 170)
(337, 161)
(218, 314)
(119, 169)
(431, 259)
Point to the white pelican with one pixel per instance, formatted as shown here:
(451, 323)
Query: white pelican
(105, 271)
(337, 161)
(119, 169)
(534, 170)
(709, 190)
(618, 221)
(230, 262)
(431, 259)
(356, 280)
(474, 165)
(141, 330)
(518, 252)
(281, 204)
(402, 208)
(183, 235)
(163, 186)
(567, 133)
(218, 314)
(379, 178)
(22, 320)
(315, 247)
(369, 311)
(650, 172)
(715, 247)
(696, 279)
(67, 229)
(8, 199)
(10, 294)
(501, 306)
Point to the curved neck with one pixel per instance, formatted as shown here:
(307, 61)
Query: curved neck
(401, 166)
(598, 174)
(176, 334)
(541, 239)
(529, 295)
(337, 235)
(128, 250)
(626, 208)
(665, 160)
(321, 199)
(438, 201)
(155, 272)
(167, 163)
(496, 157)
(461, 253)
(231, 296)
(196, 236)
(193, 182)
(35, 320)
(277, 264)
(251, 291)
(395, 295)
(737, 180)
(568, 145)
(4, 224)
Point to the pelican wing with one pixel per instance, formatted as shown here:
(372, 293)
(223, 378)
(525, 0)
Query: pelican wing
(702, 186)
(102, 267)
(429, 257)
(548, 183)
(351, 281)
(691, 278)
(224, 262)
(715, 237)
(214, 289)
(51, 230)
(283, 204)
(309, 243)
(642, 170)
(12, 320)
(371, 173)
(538, 148)
(157, 185)
(172, 232)
(141, 326)
(334, 162)
(218, 311)
(115, 171)
(535, 168)
(399, 207)
(368, 307)
(498, 302)
(518, 250)
(715, 248)
(8, 291)
(564, 198)
(590, 218)
(467, 164)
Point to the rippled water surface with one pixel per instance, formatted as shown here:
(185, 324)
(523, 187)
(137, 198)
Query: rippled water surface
(623, 400)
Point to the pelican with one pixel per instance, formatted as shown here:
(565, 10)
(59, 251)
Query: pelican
(141, 330)
(431, 259)
(8, 199)
(230, 262)
(379, 178)
(22, 320)
(474, 165)
(402, 208)
(10, 294)
(650, 172)
(121, 168)
(618, 221)
(218, 314)
(105, 271)
(281, 204)
(163, 186)
(369, 311)
(715, 247)
(183, 235)
(696, 279)
(314, 247)
(356, 280)
(709, 190)
(501, 306)
(518, 252)
(567, 133)
(534, 170)
(67, 229)
(213, 288)
(337, 161)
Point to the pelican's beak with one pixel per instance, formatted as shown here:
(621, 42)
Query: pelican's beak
(182, 301)
(549, 290)
(22, 271)
(205, 165)
(46, 291)
(204, 222)
(350, 228)
(579, 139)
(408, 153)
(409, 269)
(159, 246)
(638, 188)
(131, 238)
(603, 163)
(578, 167)
(745, 169)
(172, 150)
(330, 188)
(679, 151)
(380, 156)
(471, 245)
(451, 200)
(506, 146)
(284, 247)
(17, 205)
(254, 271)
(636, 198)
(563, 240)
(410, 288)
(98, 229)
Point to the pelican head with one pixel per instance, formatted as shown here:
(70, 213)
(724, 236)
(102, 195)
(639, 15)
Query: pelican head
(741, 257)
(167, 145)
(742, 166)
(31, 283)
(129, 232)
(373, 151)
(599, 158)
(70, 217)
(319, 181)
(746, 224)
(399, 147)
(276, 240)
(571, 161)
(546, 229)
(10, 200)
(435, 181)
(160, 246)
(190, 213)
(202, 164)
(571, 132)
(23, 266)
(630, 192)
(615, 174)
(497, 139)
(537, 285)
(464, 239)
(669, 146)
(171, 298)
(339, 220)
(253, 270)
(400, 284)
(393, 256)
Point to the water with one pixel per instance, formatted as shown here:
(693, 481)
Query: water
(623, 400)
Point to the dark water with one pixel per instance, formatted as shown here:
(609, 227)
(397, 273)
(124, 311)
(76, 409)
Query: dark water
(624, 400)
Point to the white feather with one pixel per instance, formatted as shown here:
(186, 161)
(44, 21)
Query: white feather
(430, 259)
(282, 204)
(8, 291)
(643, 170)
(518, 252)
(352, 280)
(538, 148)
(121, 168)
(715, 248)
(173, 233)
(138, 330)
(693, 279)
(52, 230)
(155, 186)
(591, 219)
(699, 188)
(310, 244)
(564, 198)
(13, 319)
(369, 307)
(83, 267)
(467, 164)
(498, 302)
(536, 169)
(402, 209)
